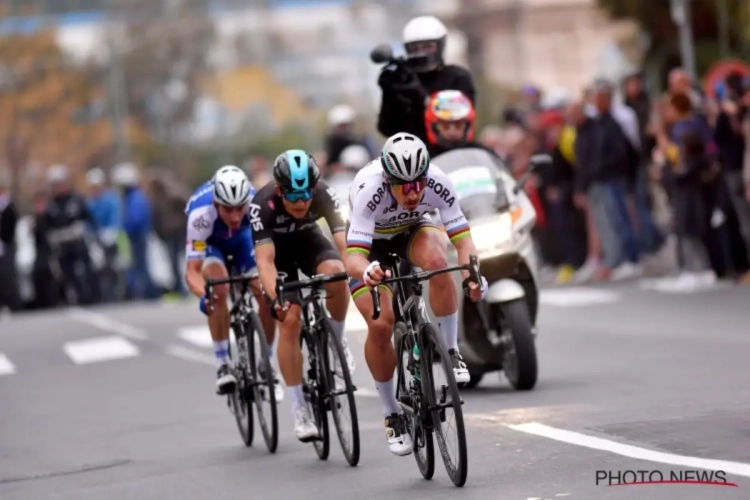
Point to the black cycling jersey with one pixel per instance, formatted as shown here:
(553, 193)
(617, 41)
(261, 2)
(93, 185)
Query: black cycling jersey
(270, 220)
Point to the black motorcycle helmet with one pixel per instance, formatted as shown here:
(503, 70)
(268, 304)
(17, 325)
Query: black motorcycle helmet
(296, 170)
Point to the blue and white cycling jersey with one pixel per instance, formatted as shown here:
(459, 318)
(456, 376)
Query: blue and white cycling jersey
(209, 238)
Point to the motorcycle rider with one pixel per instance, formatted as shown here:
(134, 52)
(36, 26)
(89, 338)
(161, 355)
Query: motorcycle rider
(403, 105)
(449, 121)
(67, 219)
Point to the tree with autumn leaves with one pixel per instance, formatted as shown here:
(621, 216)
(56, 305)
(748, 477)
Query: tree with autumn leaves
(655, 19)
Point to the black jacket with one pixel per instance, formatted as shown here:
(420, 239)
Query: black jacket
(402, 111)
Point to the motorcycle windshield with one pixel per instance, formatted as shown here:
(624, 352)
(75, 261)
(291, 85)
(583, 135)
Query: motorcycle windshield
(476, 176)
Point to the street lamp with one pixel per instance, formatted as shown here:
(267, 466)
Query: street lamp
(680, 10)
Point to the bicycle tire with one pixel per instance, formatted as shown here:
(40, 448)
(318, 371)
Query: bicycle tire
(239, 402)
(432, 344)
(327, 336)
(315, 400)
(421, 436)
(263, 392)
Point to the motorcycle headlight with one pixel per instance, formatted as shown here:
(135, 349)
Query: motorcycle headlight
(493, 236)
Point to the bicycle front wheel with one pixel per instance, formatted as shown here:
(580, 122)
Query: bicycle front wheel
(241, 400)
(316, 388)
(261, 374)
(444, 400)
(412, 398)
(340, 393)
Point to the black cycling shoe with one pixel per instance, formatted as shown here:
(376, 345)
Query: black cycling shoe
(225, 381)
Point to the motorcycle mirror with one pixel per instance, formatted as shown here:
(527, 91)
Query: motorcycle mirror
(383, 53)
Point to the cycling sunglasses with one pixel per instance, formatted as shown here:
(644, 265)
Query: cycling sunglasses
(407, 187)
(295, 196)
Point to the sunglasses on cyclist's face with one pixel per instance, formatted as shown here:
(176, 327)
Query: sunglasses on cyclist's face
(407, 187)
(295, 196)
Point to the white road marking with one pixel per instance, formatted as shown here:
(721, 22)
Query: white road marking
(630, 451)
(6, 367)
(677, 285)
(577, 297)
(107, 324)
(190, 355)
(197, 335)
(563, 494)
(354, 320)
(100, 349)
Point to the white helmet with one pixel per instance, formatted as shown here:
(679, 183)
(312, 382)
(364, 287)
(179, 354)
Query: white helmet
(418, 31)
(231, 186)
(405, 157)
(57, 173)
(95, 177)
(354, 156)
(125, 174)
(340, 115)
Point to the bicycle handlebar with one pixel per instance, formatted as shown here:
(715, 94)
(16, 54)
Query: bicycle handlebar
(472, 267)
(314, 282)
(211, 283)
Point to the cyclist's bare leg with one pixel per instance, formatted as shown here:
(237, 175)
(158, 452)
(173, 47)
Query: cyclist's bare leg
(290, 355)
(429, 250)
(218, 321)
(379, 352)
(269, 324)
(338, 293)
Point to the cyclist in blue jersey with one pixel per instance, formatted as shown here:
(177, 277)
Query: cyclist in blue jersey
(218, 226)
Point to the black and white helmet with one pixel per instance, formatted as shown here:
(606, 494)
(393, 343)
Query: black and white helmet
(231, 186)
(405, 157)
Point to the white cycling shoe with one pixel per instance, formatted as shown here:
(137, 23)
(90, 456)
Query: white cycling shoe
(399, 440)
(304, 427)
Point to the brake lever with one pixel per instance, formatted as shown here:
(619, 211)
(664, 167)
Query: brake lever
(474, 269)
(375, 303)
(210, 294)
(280, 290)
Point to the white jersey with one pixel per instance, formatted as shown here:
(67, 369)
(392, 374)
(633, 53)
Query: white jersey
(376, 215)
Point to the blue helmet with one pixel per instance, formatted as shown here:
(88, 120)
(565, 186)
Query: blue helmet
(296, 170)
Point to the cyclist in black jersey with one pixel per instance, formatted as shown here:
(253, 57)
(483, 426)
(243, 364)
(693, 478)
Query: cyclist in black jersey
(287, 239)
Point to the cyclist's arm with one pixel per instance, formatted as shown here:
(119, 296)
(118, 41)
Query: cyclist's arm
(358, 244)
(262, 220)
(331, 210)
(199, 227)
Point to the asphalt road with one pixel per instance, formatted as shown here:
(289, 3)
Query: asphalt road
(117, 403)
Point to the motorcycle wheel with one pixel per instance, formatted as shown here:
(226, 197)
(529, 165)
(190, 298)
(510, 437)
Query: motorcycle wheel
(519, 360)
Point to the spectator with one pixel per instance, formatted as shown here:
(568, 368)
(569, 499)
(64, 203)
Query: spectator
(104, 205)
(169, 225)
(605, 173)
(341, 134)
(679, 82)
(259, 171)
(731, 144)
(688, 168)
(45, 274)
(9, 295)
(137, 223)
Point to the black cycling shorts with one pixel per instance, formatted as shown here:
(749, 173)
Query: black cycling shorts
(302, 251)
(399, 245)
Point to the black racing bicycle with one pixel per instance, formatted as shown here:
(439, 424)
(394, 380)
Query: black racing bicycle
(419, 346)
(252, 369)
(327, 383)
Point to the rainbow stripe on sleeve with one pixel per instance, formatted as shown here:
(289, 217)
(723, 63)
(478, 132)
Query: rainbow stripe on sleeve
(358, 288)
(360, 246)
(458, 232)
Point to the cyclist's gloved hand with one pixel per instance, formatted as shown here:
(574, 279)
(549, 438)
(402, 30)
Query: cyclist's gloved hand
(374, 274)
(203, 304)
(277, 312)
(474, 291)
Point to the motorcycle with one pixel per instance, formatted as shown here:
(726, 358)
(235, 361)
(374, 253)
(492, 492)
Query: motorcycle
(499, 333)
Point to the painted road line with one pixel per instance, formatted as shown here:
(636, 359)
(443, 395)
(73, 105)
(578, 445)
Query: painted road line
(578, 297)
(199, 336)
(105, 323)
(190, 355)
(100, 349)
(6, 367)
(626, 450)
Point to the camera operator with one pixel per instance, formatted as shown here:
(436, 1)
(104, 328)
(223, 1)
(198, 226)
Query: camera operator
(405, 95)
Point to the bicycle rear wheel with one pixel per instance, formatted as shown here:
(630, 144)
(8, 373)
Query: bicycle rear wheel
(261, 373)
(315, 388)
(240, 400)
(443, 397)
(411, 396)
(341, 392)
